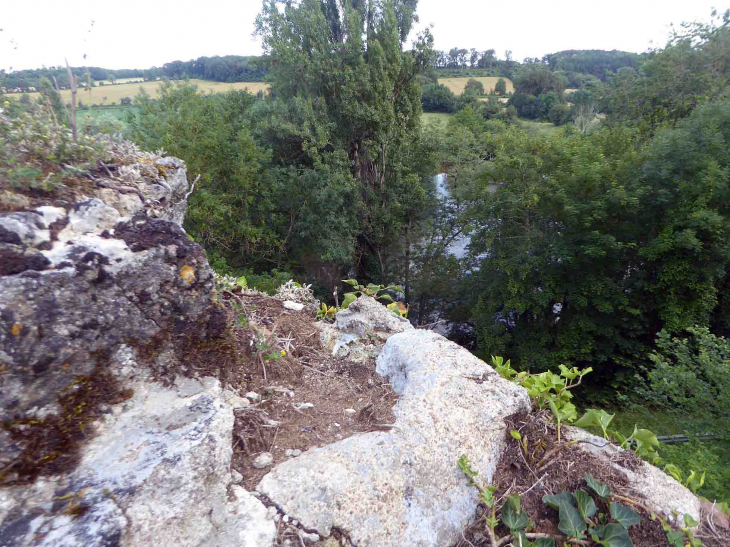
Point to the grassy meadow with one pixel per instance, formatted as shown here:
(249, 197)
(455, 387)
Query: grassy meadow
(435, 118)
(457, 85)
(114, 93)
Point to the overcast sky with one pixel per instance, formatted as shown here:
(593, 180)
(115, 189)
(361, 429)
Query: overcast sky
(144, 33)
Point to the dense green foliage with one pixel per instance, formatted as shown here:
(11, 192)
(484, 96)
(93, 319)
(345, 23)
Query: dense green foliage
(570, 266)
(229, 68)
(693, 68)
(596, 62)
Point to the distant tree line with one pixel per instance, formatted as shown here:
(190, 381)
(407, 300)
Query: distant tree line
(230, 68)
(596, 62)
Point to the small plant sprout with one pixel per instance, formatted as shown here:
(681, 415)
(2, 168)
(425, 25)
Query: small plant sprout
(519, 438)
(377, 292)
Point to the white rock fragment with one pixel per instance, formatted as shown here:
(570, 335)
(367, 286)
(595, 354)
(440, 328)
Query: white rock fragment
(236, 477)
(296, 452)
(309, 538)
(264, 459)
(302, 406)
(253, 396)
(271, 512)
(350, 411)
(289, 305)
(285, 518)
(288, 452)
(236, 401)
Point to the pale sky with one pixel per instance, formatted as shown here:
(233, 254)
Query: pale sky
(144, 33)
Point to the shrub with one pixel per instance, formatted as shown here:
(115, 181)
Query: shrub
(692, 372)
(500, 87)
(560, 114)
(475, 87)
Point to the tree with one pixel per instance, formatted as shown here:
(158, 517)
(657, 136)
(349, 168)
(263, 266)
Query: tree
(125, 101)
(500, 88)
(474, 87)
(344, 68)
(672, 82)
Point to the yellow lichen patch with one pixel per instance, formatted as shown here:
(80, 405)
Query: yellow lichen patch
(187, 274)
(17, 329)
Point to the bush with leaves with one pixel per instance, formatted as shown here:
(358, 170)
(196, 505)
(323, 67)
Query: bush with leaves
(37, 151)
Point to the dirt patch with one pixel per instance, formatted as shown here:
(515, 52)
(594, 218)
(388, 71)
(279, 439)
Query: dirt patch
(547, 467)
(308, 398)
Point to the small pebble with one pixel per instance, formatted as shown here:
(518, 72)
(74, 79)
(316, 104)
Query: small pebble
(310, 538)
(336, 424)
(236, 477)
(263, 460)
(288, 452)
(350, 411)
(295, 523)
(303, 406)
(285, 518)
(296, 452)
(252, 396)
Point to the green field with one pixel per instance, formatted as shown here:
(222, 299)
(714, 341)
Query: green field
(112, 94)
(544, 128)
(435, 118)
(118, 112)
(457, 85)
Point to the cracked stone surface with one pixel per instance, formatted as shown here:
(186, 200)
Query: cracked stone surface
(403, 487)
(158, 470)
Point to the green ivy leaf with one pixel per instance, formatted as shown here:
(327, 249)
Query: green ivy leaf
(644, 437)
(352, 282)
(586, 506)
(689, 521)
(557, 500)
(512, 519)
(544, 542)
(571, 523)
(674, 471)
(598, 487)
(623, 515)
(396, 288)
(514, 501)
(616, 535)
(386, 297)
(675, 538)
(350, 297)
(597, 418)
(515, 434)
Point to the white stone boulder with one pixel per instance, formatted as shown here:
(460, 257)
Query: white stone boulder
(649, 484)
(403, 486)
(157, 472)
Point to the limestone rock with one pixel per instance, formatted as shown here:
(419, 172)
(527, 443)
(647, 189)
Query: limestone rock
(263, 460)
(370, 320)
(156, 471)
(403, 487)
(659, 491)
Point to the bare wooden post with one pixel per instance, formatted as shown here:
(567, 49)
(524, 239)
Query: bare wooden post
(73, 81)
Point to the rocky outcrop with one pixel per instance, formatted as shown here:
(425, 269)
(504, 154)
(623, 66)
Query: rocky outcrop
(361, 330)
(657, 490)
(105, 438)
(402, 486)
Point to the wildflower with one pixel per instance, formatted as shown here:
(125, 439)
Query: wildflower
(283, 353)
